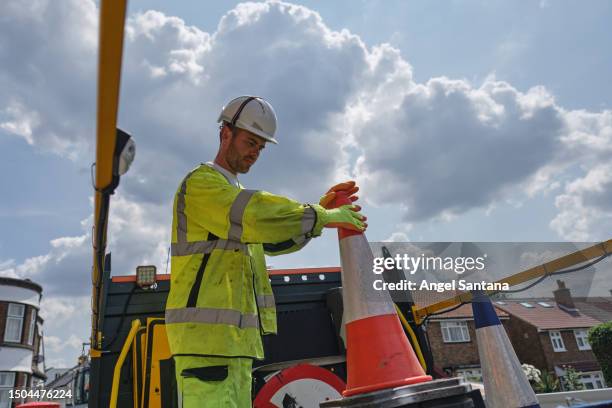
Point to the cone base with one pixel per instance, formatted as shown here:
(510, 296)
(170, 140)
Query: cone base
(383, 386)
(379, 356)
(448, 392)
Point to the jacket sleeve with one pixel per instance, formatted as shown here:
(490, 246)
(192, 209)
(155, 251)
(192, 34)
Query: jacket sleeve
(286, 247)
(248, 216)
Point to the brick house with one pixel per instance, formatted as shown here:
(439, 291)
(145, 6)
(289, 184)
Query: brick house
(452, 337)
(21, 359)
(552, 334)
(549, 333)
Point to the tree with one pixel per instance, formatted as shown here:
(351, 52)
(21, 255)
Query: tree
(600, 339)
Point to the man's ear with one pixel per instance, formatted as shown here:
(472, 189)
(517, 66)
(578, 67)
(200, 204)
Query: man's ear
(225, 135)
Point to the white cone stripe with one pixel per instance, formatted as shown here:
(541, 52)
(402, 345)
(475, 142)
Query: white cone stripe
(361, 300)
(505, 383)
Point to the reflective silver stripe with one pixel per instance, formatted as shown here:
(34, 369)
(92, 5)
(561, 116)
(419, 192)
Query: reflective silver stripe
(308, 220)
(300, 240)
(265, 301)
(181, 218)
(236, 213)
(213, 316)
(205, 247)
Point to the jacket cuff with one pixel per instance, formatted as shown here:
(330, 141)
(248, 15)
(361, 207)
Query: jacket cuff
(319, 223)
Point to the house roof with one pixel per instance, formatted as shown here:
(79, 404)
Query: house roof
(599, 308)
(546, 318)
(22, 283)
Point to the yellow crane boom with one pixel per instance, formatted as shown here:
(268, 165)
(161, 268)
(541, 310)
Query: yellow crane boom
(575, 258)
(112, 19)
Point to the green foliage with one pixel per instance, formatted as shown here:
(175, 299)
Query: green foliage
(548, 383)
(571, 379)
(600, 339)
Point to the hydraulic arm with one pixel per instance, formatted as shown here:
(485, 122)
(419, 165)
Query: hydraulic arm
(553, 267)
(112, 19)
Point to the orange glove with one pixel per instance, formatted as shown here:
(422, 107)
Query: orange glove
(348, 187)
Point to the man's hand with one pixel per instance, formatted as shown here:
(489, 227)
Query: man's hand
(346, 216)
(348, 187)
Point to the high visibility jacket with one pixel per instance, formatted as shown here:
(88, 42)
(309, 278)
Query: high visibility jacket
(220, 300)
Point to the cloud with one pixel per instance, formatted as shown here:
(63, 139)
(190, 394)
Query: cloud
(449, 147)
(19, 121)
(56, 344)
(438, 149)
(431, 150)
(47, 80)
(138, 234)
(585, 207)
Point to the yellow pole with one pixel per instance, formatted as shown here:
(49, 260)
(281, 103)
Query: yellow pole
(417, 346)
(124, 352)
(112, 21)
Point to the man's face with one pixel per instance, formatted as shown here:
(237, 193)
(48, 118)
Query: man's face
(243, 150)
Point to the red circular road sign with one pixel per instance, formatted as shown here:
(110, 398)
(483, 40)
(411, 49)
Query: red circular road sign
(300, 386)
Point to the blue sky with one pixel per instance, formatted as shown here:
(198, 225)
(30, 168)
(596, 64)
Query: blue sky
(462, 121)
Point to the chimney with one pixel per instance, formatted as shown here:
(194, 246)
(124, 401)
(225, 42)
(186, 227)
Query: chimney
(563, 297)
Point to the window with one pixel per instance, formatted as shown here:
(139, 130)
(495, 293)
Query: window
(14, 323)
(544, 304)
(582, 340)
(7, 382)
(592, 380)
(455, 332)
(557, 341)
(32, 327)
(527, 305)
(470, 374)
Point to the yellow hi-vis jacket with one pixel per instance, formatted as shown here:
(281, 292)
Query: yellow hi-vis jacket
(220, 300)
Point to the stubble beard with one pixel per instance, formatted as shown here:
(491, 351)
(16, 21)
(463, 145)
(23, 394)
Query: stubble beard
(236, 162)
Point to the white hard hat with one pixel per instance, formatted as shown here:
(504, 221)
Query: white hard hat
(251, 113)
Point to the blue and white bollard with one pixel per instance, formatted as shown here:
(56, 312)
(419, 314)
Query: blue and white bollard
(506, 386)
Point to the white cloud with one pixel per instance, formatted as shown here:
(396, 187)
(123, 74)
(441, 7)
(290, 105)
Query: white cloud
(19, 121)
(585, 207)
(433, 150)
(530, 259)
(451, 147)
(400, 234)
(438, 149)
(139, 233)
(56, 344)
(47, 80)
(397, 237)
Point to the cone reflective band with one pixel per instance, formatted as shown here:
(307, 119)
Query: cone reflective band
(378, 354)
(506, 386)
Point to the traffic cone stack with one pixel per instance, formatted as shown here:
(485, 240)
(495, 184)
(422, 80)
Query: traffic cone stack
(382, 367)
(506, 386)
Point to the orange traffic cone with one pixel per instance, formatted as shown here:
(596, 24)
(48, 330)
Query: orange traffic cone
(378, 354)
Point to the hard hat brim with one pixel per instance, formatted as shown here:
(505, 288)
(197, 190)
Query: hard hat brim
(251, 129)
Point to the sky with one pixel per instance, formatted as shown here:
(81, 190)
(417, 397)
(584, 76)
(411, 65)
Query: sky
(460, 121)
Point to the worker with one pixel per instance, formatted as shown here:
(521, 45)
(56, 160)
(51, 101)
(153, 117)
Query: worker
(220, 301)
